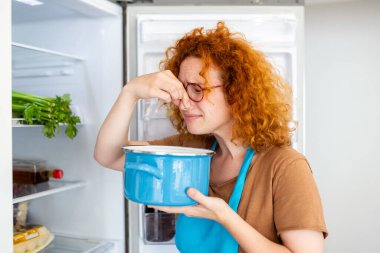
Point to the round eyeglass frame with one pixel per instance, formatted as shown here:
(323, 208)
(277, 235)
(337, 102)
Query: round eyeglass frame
(200, 88)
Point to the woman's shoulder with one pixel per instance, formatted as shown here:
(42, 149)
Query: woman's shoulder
(281, 158)
(283, 153)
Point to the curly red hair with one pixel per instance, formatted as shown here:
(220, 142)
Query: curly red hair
(260, 100)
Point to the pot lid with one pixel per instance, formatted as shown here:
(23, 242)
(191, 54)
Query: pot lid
(168, 150)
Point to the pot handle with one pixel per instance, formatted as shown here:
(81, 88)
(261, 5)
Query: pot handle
(145, 168)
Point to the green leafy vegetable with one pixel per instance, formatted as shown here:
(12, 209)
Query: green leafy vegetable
(50, 112)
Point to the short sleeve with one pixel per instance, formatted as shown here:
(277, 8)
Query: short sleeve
(297, 204)
(167, 141)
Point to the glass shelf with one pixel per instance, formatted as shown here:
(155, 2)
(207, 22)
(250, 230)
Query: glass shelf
(67, 244)
(24, 56)
(18, 122)
(27, 192)
(29, 61)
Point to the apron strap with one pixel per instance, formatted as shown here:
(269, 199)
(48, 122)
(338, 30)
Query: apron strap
(213, 148)
(239, 185)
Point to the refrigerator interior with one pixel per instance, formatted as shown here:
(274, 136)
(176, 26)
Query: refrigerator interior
(277, 31)
(72, 47)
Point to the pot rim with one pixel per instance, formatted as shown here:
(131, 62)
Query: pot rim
(167, 150)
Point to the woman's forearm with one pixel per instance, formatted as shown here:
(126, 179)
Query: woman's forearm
(113, 133)
(249, 238)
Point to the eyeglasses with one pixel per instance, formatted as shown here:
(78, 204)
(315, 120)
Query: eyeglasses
(195, 91)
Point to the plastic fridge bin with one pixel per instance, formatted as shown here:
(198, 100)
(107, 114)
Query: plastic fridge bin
(159, 227)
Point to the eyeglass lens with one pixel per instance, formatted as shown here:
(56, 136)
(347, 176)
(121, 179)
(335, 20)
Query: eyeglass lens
(195, 92)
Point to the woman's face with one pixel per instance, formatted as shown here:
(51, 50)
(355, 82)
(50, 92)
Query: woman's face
(212, 114)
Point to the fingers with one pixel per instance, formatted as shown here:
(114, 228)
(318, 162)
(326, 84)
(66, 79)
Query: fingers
(170, 209)
(162, 89)
(190, 211)
(192, 193)
(176, 89)
(163, 85)
(162, 95)
(207, 203)
(196, 195)
(208, 207)
(177, 102)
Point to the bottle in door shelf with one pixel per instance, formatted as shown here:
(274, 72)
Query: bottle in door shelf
(33, 172)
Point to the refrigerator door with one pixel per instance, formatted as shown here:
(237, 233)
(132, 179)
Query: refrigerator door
(277, 31)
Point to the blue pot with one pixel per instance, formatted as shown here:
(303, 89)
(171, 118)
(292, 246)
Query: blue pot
(160, 175)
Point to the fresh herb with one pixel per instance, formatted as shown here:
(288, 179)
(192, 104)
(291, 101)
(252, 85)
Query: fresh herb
(46, 111)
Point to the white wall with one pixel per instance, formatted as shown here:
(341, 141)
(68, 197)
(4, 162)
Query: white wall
(343, 119)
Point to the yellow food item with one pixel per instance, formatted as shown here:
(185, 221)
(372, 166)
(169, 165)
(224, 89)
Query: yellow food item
(31, 238)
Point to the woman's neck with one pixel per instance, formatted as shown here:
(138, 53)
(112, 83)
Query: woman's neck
(226, 148)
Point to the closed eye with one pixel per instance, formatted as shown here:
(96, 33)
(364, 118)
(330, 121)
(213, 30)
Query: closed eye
(197, 90)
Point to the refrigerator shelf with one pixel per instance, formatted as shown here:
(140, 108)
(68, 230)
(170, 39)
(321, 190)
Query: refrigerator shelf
(26, 57)
(29, 61)
(18, 122)
(68, 244)
(28, 192)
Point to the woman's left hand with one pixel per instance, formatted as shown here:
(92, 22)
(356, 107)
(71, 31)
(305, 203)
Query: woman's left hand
(209, 207)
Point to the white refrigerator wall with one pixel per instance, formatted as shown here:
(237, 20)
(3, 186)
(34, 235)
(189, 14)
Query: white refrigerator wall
(5, 127)
(97, 210)
(278, 31)
(343, 119)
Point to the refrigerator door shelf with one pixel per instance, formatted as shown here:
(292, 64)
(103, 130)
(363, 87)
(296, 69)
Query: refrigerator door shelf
(157, 29)
(154, 115)
(153, 109)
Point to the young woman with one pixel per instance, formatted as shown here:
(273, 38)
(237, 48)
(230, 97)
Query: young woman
(222, 94)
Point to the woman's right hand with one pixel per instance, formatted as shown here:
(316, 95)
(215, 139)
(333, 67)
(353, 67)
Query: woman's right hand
(113, 134)
(163, 85)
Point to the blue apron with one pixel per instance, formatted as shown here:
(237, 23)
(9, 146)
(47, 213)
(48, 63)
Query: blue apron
(208, 236)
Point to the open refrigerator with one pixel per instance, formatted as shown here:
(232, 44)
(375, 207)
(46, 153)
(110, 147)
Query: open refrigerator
(89, 48)
(72, 47)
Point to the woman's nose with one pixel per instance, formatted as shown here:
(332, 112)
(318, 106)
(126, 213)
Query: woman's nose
(183, 107)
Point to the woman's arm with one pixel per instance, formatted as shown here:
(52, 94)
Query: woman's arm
(113, 134)
(295, 241)
(303, 240)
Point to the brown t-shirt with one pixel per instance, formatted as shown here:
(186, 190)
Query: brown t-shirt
(279, 192)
